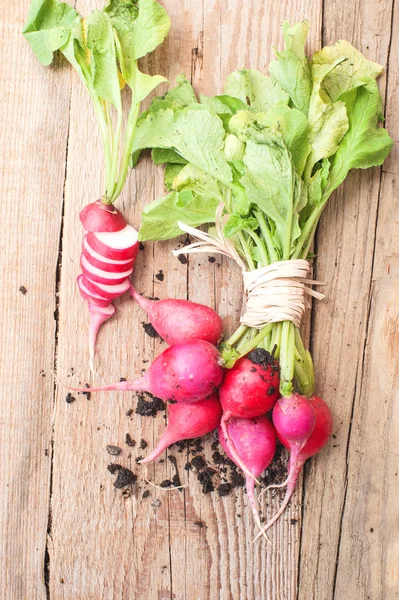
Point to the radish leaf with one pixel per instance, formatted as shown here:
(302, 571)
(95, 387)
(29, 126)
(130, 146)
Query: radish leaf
(291, 70)
(159, 219)
(254, 89)
(48, 27)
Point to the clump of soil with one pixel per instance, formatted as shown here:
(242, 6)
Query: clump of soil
(113, 450)
(149, 408)
(129, 441)
(149, 330)
(124, 478)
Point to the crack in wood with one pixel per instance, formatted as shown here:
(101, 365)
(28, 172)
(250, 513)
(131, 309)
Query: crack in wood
(46, 566)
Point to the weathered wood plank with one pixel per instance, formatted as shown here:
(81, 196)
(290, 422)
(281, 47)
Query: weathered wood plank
(34, 109)
(345, 247)
(129, 545)
(370, 532)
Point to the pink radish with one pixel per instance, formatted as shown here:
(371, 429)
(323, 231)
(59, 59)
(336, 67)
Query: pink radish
(105, 272)
(106, 264)
(185, 372)
(99, 216)
(254, 442)
(107, 291)
(251, 387)
(122, 245)
(88, 295)
(315, 442)
(180, 320)
(101, 276)
(188, 420)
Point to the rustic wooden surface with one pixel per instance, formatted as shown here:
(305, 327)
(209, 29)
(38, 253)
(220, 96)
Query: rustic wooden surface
(65, 532)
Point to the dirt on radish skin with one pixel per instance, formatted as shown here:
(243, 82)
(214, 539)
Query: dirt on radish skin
(186, 421)
(185, 372)
(251, 387)
(315, 442)
(253, 441)
(177, 321)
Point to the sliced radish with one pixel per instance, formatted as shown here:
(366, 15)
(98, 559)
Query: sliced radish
(103, 259)
(121, 245)
(90, 296)
(98, 216)
(124, 269)
(102, 276)
(107, 291)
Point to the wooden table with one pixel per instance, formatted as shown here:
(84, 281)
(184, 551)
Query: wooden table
(66, 532)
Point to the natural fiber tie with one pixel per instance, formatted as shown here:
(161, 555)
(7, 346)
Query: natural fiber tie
(277, 293)
(274, 293)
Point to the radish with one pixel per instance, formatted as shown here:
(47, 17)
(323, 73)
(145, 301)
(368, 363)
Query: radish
(98, 216)
(188, 420)
(104, 277)
(180, 320)
(251, 387)
(185, 372)
(318, 438)
(110, 43)
(254, 442)
(120, 245)
(100, 276)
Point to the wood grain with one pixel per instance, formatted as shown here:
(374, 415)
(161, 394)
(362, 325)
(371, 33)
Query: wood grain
(183, 545)
(345, 247)
(34, 114)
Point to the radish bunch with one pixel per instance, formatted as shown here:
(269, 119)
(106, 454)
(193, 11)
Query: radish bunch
(110, 247)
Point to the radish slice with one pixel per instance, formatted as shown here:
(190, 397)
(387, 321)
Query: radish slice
(90, 296)
(121, 245)
(89, 250)
(107, 267)
(98, 216)
(102, 276)
(107, 291)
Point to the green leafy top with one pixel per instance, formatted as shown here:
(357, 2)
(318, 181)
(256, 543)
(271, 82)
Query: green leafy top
(272, 148)
(104, 49)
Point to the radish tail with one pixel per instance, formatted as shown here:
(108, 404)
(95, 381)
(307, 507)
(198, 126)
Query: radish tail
(250, 484)
(98, 316)
(145, 304)
(290, 489)
(164, 442)
(232, 448)
(140, 385)
(292, 465)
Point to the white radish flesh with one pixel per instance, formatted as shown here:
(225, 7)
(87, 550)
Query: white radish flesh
(107, 291)
(104, 274)
(119, 240)
(90, 296)
(102, 258)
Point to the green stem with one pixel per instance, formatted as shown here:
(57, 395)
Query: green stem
(254, 343)
(267, 236)
(307, 233)
(246, 251)
(105, 139)
(115, 151)
(287, 358)
(129, 133)
(261, 247)
(237, 335)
